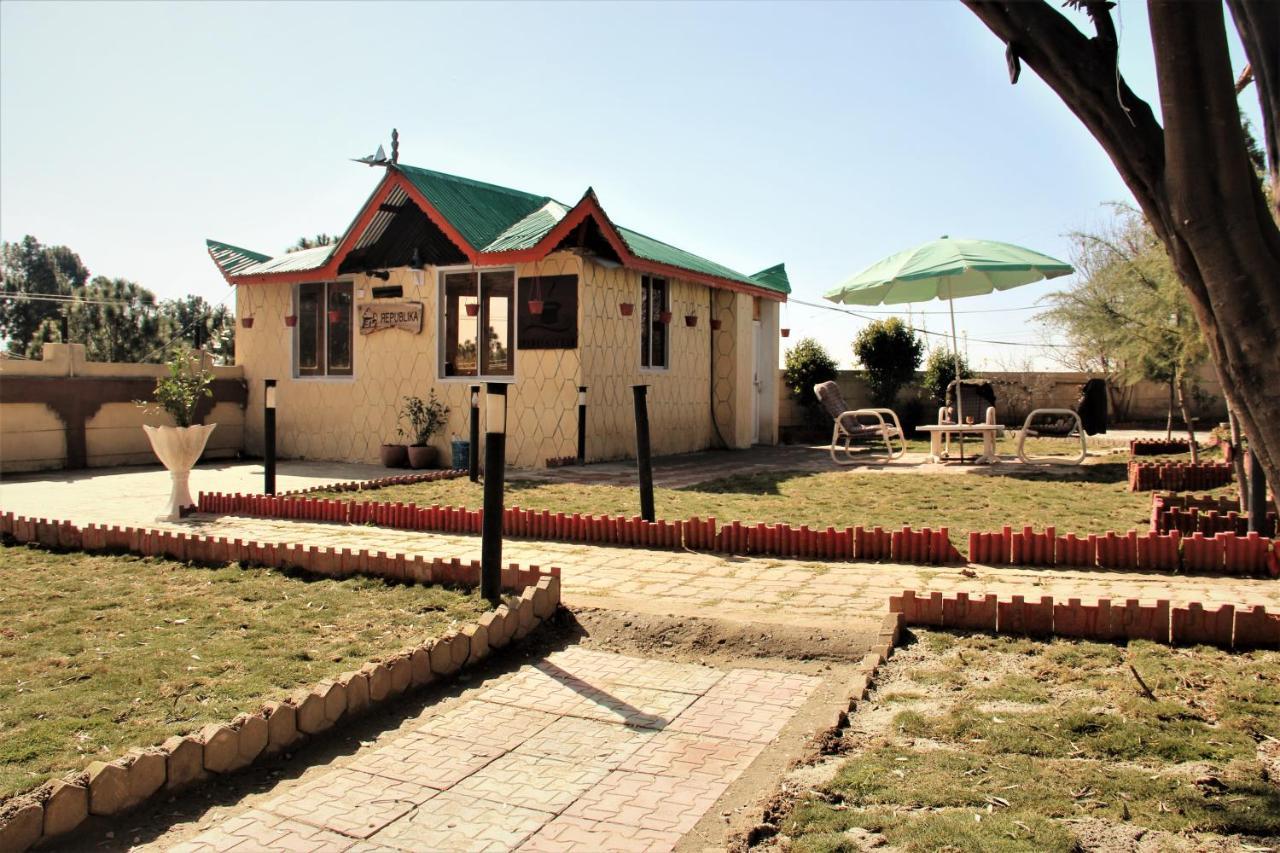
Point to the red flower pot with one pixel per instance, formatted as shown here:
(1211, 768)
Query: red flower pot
(786, 333)
(395, 456)
(473, 308)
(247, 322)
(291, 320)
(664, 317)
(691, 320)
(535, 307)
(626, 308)
(715, 325)
(335, 316)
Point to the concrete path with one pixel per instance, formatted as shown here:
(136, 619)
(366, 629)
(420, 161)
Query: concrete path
(581, 751)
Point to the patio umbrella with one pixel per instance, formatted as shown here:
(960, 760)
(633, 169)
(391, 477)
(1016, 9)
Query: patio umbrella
(947, 269)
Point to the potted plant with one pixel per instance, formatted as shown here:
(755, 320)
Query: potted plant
(786, 333)
(626, 308)
(291, 320)
(425, 420)
(335, 316)
(395, 455)
(535, 301)
(715, 325)
(691, 320)
(473, 308)
(177, 394)
(664, 317)
(247, 322)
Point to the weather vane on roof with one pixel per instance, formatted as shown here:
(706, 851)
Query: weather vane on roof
(379, 157)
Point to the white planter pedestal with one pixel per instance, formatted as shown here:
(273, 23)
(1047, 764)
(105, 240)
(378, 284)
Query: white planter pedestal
(178, 448)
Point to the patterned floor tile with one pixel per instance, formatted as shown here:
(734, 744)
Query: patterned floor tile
(594, 667)
(579, 835)
(257, 830)
(587, 742)
(686, 756)
(782, 689)
(722, 717)
(646, 801)
(562, 694)
(350, 802)
(531, 781)
(453, 822)
(427, 760)
(487, 726)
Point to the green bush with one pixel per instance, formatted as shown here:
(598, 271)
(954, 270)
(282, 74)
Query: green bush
(808, 364)
(939, 370)
(890, 351)
(181, 391)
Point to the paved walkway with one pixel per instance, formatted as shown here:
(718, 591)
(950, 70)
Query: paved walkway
(582, 751)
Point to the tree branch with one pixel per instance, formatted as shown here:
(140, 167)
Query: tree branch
(1258, 22)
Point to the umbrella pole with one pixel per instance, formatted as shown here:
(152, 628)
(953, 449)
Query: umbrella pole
(955, 349)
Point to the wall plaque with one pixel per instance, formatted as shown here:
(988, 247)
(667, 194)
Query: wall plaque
(379, 316)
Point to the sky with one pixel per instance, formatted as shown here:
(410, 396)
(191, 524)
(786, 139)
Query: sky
(824, 135)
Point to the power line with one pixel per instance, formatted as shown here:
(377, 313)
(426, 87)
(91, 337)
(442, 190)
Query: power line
(862, 316)
(71, 300)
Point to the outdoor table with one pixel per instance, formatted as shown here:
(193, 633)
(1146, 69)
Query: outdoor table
(940, 432)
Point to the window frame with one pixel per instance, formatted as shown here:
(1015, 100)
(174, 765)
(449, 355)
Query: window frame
(322, 372)
(476, 272)
(648, 317)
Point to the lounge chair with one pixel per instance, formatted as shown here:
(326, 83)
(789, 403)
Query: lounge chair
(1066, 423)
(859, 425)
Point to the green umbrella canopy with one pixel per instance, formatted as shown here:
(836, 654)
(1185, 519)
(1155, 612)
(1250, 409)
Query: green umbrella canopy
(947, 269)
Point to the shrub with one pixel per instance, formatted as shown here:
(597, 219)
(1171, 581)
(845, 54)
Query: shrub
(808, 364)
(425, 419)
(939, 370)
(891, 352)
(181, 391)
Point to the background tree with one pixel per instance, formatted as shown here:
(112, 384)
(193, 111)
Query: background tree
(29, 268)
(303, 243)
(117, 320)
(808, 364)
(1127, 302)
(1192, 178)
(200, 325)
(890, 351)
(940, 370)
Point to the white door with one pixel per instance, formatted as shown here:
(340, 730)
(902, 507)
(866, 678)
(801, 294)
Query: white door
(758, 381)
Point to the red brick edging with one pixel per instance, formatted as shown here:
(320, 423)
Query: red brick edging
(1201, 514)
(1229, 626)
(1157, 446)
(382, 483)
(1178, 476)
(108, 788)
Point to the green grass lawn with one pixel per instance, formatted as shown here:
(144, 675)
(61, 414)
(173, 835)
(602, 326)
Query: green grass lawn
(1085, 499)
(102, 653)
(992, 743)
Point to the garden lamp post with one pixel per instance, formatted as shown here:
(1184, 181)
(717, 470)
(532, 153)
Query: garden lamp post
(582, 424)
(269, 437)
(495, 448)
(643, 460)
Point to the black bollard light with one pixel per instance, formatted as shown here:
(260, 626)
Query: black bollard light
(473, 449)
(269, 437)
(1257, 497)
(495, 449)
(643, 462)
(582, 424)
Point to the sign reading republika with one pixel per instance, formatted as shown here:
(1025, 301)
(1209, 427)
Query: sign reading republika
(379, 316)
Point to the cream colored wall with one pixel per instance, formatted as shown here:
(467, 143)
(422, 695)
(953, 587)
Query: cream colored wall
(678, 398)
(349, 418)
(33, 438)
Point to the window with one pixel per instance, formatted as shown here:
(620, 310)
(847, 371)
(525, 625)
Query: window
(477, 322)
(654, 316)
(323, 329)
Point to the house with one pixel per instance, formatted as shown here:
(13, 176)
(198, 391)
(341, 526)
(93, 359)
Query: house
(442, 283)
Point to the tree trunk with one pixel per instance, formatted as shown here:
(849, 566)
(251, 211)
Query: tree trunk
(1168, 420)
(1186, 419)
(1193, 178)
(1237, 457)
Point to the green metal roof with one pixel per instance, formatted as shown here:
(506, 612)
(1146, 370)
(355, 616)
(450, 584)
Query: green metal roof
(528, 232)
(233, 260)
(774, 278)
(650, 249)
(481, 212)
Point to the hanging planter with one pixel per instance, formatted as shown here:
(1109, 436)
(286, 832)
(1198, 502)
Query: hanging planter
(291, 320)
(625, 308)
(473, 308)
(247, 322)
(335, 316)
(691, 320)
(786, 333)
(715, 325)
(665, 318)
(535, 307)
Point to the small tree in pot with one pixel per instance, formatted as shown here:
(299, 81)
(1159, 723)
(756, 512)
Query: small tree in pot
(425, 420)
(178, 394)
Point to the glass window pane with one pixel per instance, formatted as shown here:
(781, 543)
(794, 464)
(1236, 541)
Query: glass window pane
(497, 290)
(644, 321)
(658, 357)
(461, 322)
(339, 329)
(308, 329)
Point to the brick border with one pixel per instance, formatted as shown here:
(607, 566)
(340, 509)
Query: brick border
(381, 482)
(107, 788)
(1157, 446)
(1228, 626)
(1178, 476)
(1201, 514)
